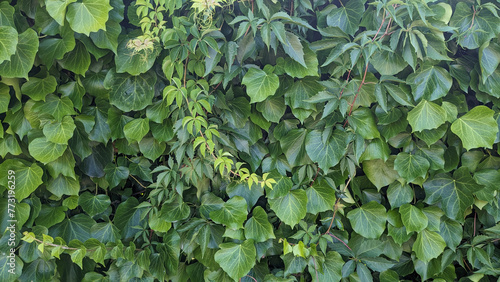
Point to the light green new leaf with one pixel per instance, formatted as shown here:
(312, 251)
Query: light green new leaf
(63, 185)
(88, 15)
(455, 194)
(23, 59)
(280, 188)
(260, 84)
(232, 214)
(59, 132)
(45, 151)
(28, 178)
(320, 197)
(410, 166)
(38, 88)
(57, 9)
(93, 204)
(8, 42)
(477, 128)
(290, 208)
(236, 259)
(136, 129)
(429, 83)
(130, 93)
(413, 218)
(428, 245)
(347, 16)
(258, 227)
(368, 220)
(326, 154)
(381, 173)
(426, 115)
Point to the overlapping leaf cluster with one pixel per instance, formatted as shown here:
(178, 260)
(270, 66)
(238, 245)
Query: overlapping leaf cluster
(261, 140)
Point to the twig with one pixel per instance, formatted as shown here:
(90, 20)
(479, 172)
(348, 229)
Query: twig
(336, 206)
(137, 181)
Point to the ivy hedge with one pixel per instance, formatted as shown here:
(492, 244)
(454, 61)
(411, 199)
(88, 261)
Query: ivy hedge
(249, 140)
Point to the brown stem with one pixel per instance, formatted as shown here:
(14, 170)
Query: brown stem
(340, 241)
(357, 92)
(336, 206)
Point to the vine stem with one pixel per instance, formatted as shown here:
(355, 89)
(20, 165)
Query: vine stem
(138, 181)
(380, 27)
(347, 80)
(357, 93)
(336, 207)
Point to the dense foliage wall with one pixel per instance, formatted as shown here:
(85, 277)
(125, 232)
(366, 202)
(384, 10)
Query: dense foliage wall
(252, 140)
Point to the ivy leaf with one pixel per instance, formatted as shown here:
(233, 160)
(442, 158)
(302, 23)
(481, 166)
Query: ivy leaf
(260, 84)
(55, 106)
(59, 132)
(272, 109)
(320, 197)
(280, 188)
(426, 115)
(428, 245)
(454, 194)
(175, 210)
(232, 214)
(108, 38)
(57, 9)
(136, 129)
(388, 63)
(477, 128)
(332, 268)
(410, 166)
(327, 153)
(293, 146)
(258, 227)
(303, 90)
(38, 88)
(294, 49)
(413, 218)
(45, 151)
(295, 69)
(452, 232)
(133, 61)
(23, 59)
(290, 208)
(78, 60)
(63, 185)
(130, 93)
(489, 58)
(399, 194)
(93, 204)
(368, 220)
(380, 173)
(429, 83)
(151, 148)
(236, 259)
(115, 174)
(55, 48)
(5, 99)
(28, 178)
(88, 15)
(8, 42)
(347, 16)
(77, 227)
(474, 27)
(363, 122)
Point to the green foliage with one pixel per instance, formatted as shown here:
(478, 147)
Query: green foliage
(227, 140)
